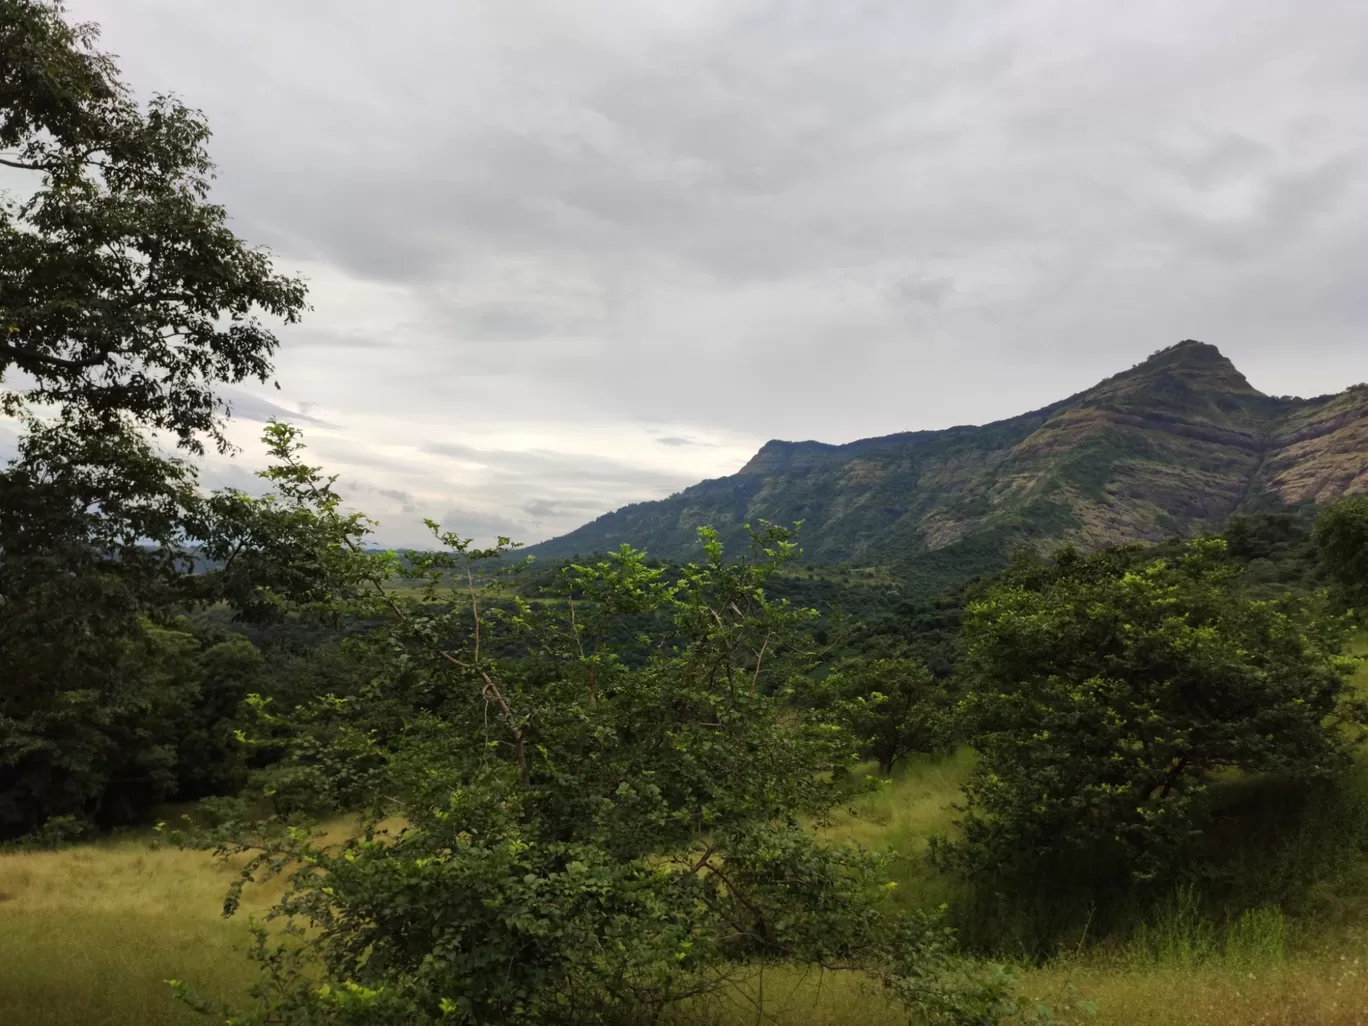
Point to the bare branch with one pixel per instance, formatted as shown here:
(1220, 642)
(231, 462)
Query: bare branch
(21, 165)
(759, 660)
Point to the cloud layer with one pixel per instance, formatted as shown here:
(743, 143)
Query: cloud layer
(566, 256)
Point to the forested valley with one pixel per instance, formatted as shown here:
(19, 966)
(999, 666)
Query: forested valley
(256, 769)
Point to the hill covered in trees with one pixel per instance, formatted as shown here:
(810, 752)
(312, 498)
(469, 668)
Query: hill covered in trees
(1172, 447)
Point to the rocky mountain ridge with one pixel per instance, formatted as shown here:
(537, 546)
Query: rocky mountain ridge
(1173, 446)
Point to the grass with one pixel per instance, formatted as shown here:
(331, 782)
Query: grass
(906, 811)
(89, 935)
(1317, 992)
(1359, 647)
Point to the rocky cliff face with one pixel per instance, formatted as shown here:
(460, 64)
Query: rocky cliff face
(1172, 446)
(1317, 453)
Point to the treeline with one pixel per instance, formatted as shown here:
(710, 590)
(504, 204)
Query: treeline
(145, 692)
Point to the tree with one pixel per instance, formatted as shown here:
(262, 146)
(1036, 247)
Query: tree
(122, 290)
(112, 702)
(599, 824)
(893, 706)
(125, 301)
(77, 584)
(1341, 536)
(210, 760)
(1104, 693)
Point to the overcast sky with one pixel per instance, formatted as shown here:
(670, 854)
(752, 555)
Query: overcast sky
(567, 255)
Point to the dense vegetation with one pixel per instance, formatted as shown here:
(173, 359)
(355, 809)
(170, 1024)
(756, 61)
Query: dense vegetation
(1106, 693)
(124, 299)
(605, 790)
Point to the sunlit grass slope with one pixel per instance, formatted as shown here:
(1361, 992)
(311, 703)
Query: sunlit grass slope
(89, 935)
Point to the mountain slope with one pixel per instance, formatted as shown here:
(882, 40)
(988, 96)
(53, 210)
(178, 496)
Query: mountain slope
(1172, 446)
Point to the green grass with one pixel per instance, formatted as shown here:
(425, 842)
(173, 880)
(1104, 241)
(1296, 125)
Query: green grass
(89, 935)
(1359, 647)
(904, 813)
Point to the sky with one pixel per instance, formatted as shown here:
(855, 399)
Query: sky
(566, 256)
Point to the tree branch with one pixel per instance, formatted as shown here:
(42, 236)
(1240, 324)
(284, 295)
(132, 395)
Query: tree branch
(759, 660)
(23, 356)
(21, 165)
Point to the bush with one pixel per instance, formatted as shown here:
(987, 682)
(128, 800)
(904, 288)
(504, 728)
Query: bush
(1104, 693)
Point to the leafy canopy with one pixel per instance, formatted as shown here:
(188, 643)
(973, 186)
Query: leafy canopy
(1104, 693)
(122, 290)
(892, 705)
(111, 703)
(1341, 536)
(125, 302)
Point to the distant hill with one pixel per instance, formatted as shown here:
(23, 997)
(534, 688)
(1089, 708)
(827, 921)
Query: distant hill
(1173, 446)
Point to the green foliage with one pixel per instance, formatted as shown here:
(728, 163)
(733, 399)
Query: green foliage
(288, 551)
(1271, 840)
(156, 724)
(122, 291)
(124, 301)
(210, 758)
(893, 706)
(596, 829)
(113, 702)
(1104, 695)
(100, 685)
(1180, 932)
(1275, 553)
(1341, 536)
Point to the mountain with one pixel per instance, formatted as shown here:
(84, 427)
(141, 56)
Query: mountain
(1173, 446)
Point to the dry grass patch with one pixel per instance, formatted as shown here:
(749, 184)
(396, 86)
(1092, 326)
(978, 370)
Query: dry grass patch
(1330, 990)
(90, 934)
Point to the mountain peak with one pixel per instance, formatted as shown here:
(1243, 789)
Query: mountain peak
(1199, 365)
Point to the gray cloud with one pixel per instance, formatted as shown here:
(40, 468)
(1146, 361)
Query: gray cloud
(246, 406)
(917, 289)
(405, 500)
(472, 523)
(534, 465)
(556, 508)
(9, 443)
(675, 441)
(539, 225)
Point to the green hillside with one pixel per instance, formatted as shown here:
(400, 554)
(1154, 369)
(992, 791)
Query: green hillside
(1173, 446)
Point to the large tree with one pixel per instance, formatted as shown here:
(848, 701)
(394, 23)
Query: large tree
(892, 705)
(1341, 536)
(125, 302)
